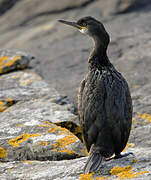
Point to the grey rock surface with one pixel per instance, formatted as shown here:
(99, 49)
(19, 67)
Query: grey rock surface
(72, 169)
(10, 61)
(62, 52)
(28, 130)
(61, 59)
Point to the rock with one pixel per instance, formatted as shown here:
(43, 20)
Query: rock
(23, 86)
(6, 103)
(31, 128)
(37, 140)
(10, 61)
(5, 5)
(116, 6)
(62, 53)
(49, 7)
(129, 167)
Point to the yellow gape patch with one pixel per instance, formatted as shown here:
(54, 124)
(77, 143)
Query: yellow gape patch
(83, 30)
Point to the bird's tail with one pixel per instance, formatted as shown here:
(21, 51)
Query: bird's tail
(93, 163)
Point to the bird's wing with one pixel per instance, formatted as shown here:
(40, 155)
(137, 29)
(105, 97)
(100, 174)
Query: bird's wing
(91, 95)
(119, 111)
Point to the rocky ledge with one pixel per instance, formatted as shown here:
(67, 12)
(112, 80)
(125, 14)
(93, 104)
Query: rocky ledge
(41, 137)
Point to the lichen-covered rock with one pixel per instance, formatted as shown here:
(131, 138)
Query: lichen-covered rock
(125, 168)
(23, 86)
(31, 128)
(44, 101)
(38, 141)
(6, 103)
(10, 61)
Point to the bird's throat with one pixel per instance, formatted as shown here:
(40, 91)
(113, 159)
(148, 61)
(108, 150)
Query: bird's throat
(98, 56)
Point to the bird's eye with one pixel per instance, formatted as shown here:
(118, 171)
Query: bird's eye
(84, 24)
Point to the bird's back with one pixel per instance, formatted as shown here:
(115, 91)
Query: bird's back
(105, 110)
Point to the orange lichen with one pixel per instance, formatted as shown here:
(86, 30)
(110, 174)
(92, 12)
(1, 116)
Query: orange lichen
(20, 125)
(84, 152)
(3, 58)
(116, 170)
(25, 161)
(70, 152)
(100, 178)
(130, 174)
(9, 170)
(146, 117)
(86, 176)
(63, 144)
(44, 125)
(12, 61)
(58, 130)
(2, 153)
(125, 172)
(66, 141)
(26, 82)
(4, 61)
(4, 104)
(128, 145)
(43, 143)
(78, 132)
(16, 141)
(135, 160)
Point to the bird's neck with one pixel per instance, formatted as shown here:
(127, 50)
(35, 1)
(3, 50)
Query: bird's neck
(98, 57)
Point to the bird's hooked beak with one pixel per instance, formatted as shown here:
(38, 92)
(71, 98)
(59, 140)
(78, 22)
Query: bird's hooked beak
(73, 24)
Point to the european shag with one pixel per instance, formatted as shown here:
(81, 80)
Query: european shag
(104, 100)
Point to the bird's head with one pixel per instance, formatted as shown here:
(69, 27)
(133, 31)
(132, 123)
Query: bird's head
(92, 27)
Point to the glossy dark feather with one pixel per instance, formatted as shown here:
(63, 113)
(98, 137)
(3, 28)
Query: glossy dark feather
(104, 101)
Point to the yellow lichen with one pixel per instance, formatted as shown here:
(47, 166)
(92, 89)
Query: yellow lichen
(100, 178)
(66, 151)
(4, 61)
(43, 143)
(130, 174)
(4, 104)
(9, 170)
(146, 117)
(125, 172)
(12, 61)
(84, 151)
(2, 153)
(63, 144)
(26, 82)
(135, 160)
(126, 175)
(58, 130)
(25, 161)
(44, 125)
(140, 173)
(20, 125)
(78, 132)
(66, 141)
(16, 141)
(128, 145)
(116, 170)
(86, 176)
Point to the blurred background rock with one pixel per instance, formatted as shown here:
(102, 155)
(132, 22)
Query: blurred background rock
(62, 52)
(61, 55)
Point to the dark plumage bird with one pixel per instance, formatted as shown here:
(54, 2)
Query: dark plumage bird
(104, 101)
